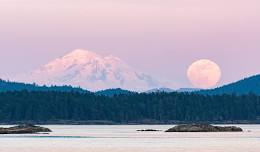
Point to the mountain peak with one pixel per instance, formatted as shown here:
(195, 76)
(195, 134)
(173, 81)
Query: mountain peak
(91, 71)
(79, 53)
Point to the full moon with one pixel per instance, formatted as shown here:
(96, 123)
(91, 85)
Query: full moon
(204, 74)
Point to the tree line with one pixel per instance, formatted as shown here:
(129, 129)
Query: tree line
(53, 105)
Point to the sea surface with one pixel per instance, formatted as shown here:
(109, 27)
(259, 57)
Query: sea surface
(125, 138)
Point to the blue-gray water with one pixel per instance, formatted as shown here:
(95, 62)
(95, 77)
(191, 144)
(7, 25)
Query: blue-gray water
(125, 138)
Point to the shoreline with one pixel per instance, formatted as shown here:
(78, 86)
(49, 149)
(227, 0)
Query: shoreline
(104, 122)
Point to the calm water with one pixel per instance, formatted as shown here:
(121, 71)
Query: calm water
(126, 139)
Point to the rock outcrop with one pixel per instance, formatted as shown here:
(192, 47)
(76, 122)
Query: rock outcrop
(148, 130)
(203, 128)
(24, 129)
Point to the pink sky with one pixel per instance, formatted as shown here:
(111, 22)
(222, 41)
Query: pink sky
(160, 37)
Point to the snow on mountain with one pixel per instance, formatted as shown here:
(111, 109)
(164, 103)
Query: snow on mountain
(188, 90)
(159, 90)
(90, 71)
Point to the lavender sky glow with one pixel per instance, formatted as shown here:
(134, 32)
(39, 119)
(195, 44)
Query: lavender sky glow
(160, 37)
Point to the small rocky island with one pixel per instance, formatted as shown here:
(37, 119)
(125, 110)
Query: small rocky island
(148, 130)
(203, 128)
(24, 129)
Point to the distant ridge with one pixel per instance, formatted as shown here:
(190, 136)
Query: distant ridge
(188, 89)
(19, 86)
(159, 90)
(168, 90)
(245, 86)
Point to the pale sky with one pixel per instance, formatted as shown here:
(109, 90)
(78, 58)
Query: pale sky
(159, 37)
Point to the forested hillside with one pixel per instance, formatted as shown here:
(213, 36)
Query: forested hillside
(46, 106)
(245, 86)
(113, 92)
(16, 86)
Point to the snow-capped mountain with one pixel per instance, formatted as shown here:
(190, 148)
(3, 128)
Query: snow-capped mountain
(90, 71)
